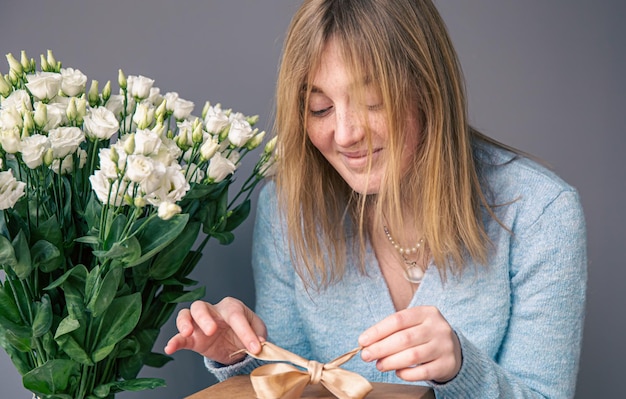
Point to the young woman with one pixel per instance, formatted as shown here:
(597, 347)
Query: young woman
(392, 224)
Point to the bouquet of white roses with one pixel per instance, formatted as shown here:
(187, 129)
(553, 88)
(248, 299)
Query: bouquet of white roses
(103, 197)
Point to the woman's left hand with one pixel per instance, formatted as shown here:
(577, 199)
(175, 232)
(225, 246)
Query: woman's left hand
(418, 343)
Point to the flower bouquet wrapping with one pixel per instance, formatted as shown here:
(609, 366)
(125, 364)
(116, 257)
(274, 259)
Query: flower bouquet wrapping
(103, 197)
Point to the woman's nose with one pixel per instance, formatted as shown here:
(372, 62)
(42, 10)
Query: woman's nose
(349, 128)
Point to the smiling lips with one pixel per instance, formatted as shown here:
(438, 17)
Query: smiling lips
(359, 159)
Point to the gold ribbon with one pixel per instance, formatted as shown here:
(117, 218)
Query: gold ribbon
(285, 381)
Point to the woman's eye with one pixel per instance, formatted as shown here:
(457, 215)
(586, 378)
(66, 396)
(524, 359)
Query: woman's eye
(375, 107)
(320, 112)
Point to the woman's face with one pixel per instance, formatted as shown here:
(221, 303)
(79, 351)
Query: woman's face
(336, 125)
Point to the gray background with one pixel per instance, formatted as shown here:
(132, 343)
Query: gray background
(544, 76)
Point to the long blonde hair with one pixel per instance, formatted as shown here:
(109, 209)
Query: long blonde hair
(403, 47)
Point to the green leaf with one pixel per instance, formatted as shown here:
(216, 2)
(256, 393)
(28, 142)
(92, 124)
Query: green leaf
(7, 252)
(50, 231)
(208, 216)
(21, 360)
(93, 211)
(74, 349)
(139, 384)
(23, 267)
(43, 317)
(157, 360)
(167, 262)
(79, 271)
(225, 238)
(91, 240)
(118, 321)
(66, 326)
(8, 307)
(207, 192)
(125, 252)
(50, 378)
(22, 343)
(157, 234)
(127, 347)
(73, 287)
(238, 215)
(70, 337)
(104, 291)
(185, 296)
(46, 256)
(222, 209)
(116, 230)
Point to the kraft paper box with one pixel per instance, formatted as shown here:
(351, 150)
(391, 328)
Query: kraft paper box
(240, 387)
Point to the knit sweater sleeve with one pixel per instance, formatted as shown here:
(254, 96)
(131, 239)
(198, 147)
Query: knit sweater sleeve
(539, 355)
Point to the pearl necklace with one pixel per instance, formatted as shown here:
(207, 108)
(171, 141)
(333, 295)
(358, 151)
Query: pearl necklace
(412, 272)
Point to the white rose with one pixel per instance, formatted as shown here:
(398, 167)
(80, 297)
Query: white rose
(182, 108)
(10, 139)
(170, 99)
(209, 148)
(168, 152)
(33, 149)
(139, 168)
(64, 166)
(11, 190)
(19, 99)
(240, 132)
(65, 141)
(144, 115)
(102, 186)
(219, 168)
(107, 166)
(173, 186)
(10, 119)
(139, 86)
(115, 104)
(81, 155)
(155, 182)
(55, 113)
(167, 210)
(100, 124)
(185, 133)
(44, 85)
(147, 142)
(74, 82)
(176, 182)
(216, 119)
(155, 96)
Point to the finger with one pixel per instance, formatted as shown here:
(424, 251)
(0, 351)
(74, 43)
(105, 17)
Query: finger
(408, 357)
(421, 372)
(205, 316)
(239, 317)
(438, 370)
(399, 343)
(391, 324)
(176, 343)
(184, 323)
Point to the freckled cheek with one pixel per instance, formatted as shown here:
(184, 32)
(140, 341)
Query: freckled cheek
(320, 135)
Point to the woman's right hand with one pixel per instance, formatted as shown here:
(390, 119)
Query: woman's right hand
(217, 331)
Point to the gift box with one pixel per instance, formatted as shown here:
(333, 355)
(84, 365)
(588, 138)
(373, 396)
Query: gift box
(240, 387)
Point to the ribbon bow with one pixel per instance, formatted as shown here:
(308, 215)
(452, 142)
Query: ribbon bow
(285, 381)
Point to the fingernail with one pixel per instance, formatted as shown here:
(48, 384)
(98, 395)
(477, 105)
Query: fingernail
(254, 347)
(365, 355)
(364, 339)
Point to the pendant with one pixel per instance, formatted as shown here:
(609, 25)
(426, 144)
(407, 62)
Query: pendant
(413, 274)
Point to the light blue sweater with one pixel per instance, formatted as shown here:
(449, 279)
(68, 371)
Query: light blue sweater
(519, 320)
